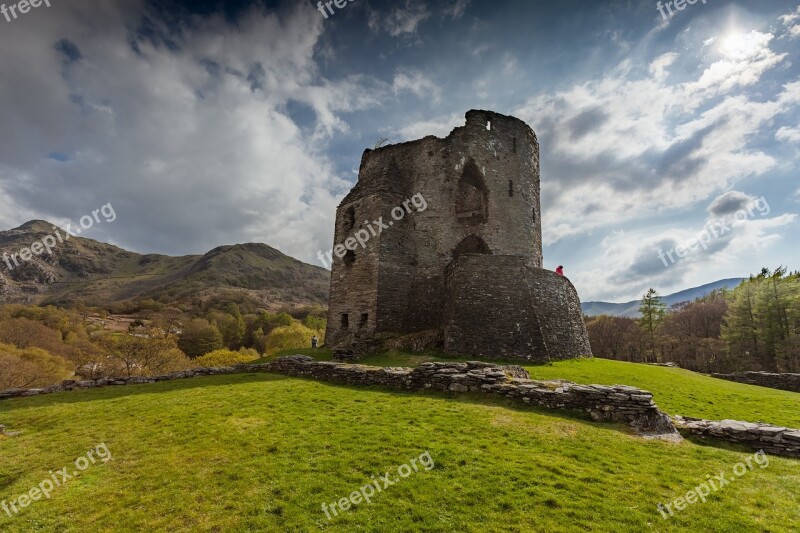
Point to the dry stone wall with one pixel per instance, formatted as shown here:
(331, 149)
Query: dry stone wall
(618, 403)
(758, 436)
(790, 382)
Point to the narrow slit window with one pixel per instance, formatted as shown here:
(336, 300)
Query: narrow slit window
(510, 188)
(345, 321)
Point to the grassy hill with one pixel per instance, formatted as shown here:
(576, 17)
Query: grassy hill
(97, 274)
(262, 453)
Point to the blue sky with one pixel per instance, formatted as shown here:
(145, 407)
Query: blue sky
(209, 123)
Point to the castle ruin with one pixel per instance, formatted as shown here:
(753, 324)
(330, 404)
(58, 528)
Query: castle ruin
(467, 270)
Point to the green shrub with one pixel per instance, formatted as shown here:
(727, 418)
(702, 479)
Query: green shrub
(219, 358)
(295, 335)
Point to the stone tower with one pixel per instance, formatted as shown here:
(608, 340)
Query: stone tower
(463, 263)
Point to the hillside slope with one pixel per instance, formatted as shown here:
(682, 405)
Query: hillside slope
(86, 271)
(263, 453)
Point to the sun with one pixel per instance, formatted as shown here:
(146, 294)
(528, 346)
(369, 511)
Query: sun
(740, 45)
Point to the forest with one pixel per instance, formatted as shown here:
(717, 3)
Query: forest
(755, 326)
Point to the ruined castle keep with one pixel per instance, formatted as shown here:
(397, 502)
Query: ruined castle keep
(466, 270)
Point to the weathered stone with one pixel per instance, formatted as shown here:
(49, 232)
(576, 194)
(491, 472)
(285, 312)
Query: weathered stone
(470, 258)
(790, 382)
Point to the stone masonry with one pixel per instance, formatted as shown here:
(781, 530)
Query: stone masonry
(790, 382)
(469, 265)
(775, 440)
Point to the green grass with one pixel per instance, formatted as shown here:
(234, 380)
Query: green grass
(676, 391)
(260, 452)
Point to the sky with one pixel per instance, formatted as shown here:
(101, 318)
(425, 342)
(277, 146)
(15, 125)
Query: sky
(210, 123)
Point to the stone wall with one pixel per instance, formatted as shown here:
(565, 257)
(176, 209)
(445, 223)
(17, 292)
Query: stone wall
(499, 307)
(616, 403)
(790, 382)
(758, 436)
(612, 404)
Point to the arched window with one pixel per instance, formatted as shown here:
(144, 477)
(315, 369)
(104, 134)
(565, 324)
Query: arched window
(471, 245)
(472, 197)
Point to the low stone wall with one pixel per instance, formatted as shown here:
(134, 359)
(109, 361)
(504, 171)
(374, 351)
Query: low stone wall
(790, 382)
(759, 436)
(108, 382)
(613, 404)
(617, 403)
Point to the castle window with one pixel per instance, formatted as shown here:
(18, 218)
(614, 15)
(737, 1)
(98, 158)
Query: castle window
(533, 214)
(514, 145)
(349, 258)
(471, 245)
(349, 218)
(364, 320)
(472, 196)
(345, 321)
(510, 188)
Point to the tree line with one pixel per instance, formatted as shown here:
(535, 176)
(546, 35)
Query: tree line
(40, 346)
(755, 326)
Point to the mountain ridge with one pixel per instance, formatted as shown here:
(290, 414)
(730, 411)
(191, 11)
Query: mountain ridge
(84, 271)
(631, 309)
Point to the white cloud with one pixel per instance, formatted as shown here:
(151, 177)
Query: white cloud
(417, 83)
(439, 126)
(787, 134)
(792, 23)
(187, 135)
(630, 145)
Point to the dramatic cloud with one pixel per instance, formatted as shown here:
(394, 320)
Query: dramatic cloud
(185, 132)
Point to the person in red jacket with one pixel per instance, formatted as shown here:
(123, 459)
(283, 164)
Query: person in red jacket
(560, 270)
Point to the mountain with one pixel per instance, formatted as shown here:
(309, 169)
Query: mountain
(80, 270)
(631, 309)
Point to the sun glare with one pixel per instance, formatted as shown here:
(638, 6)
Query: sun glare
(740, 45)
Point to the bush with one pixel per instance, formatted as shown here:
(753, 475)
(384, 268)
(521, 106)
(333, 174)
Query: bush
(294, 335)
(219, 358)
(31, 368)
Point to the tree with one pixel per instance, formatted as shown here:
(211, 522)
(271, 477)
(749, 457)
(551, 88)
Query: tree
(148, 352)
(199, 338)
(30, 367)
(614, 337)
(653, 311)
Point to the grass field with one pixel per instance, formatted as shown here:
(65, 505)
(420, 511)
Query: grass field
(257, 452)
(676, 391)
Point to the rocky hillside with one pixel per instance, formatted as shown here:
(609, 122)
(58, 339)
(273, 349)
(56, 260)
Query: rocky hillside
(85, 271)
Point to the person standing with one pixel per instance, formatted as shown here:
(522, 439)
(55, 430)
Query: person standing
(560, 270)
(314, 341)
